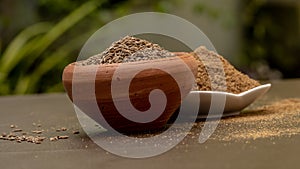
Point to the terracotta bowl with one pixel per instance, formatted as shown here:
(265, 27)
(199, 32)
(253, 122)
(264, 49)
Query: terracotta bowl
(91, 85)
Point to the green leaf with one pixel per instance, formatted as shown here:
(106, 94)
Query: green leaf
(18, 48)
(48, 64)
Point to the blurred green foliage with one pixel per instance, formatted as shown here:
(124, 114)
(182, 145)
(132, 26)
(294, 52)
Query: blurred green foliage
(33, 60)
(28, 58)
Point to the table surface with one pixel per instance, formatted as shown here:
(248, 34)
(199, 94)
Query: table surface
(54, 111)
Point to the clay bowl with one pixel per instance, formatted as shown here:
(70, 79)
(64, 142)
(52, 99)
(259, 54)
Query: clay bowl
(91, 85)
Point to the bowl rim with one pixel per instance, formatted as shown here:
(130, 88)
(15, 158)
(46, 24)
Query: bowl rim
(180, 55)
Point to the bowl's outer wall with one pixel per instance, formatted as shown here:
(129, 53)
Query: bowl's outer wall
(140, 87)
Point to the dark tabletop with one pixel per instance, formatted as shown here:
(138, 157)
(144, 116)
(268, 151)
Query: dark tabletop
(55, 111)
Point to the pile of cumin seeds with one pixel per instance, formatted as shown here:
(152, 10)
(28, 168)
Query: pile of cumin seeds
(128, 49)
(236, 81)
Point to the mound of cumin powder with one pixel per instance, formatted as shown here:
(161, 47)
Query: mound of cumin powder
(213, 64)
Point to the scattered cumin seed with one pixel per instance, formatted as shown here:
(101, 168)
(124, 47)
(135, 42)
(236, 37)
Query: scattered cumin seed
(54, 138)
(76, 132)
(40, 138)
(4, 134)
(37, 131)
(63, 137)
(12, 138)
(11, 135)
(17, 130)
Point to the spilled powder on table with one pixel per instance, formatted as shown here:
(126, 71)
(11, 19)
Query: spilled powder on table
(279, 119)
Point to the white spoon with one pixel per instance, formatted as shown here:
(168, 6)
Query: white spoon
(234, 103)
